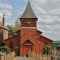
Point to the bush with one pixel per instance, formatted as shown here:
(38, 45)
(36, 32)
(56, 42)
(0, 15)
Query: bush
(46, 50)
(5, 49)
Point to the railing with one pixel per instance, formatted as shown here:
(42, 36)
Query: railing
(9, 56)
(36, 56)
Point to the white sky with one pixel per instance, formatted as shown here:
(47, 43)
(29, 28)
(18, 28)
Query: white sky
(47, 11)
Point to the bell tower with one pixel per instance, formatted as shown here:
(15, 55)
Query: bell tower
(28, 18)
(28, 28)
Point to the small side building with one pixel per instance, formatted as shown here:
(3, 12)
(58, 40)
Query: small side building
(3, 32)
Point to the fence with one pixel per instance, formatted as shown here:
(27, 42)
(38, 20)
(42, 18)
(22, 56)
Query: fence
(9, 56)
(36, 56)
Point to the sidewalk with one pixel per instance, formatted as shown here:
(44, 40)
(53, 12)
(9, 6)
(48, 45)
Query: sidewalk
(21, 58)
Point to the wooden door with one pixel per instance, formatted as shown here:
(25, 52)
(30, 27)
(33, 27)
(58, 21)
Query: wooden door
(27, 48)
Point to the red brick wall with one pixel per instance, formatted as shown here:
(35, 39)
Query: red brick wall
(33, 35)
(25, 34)
(12, 40)
(45, 40)
(16, 43)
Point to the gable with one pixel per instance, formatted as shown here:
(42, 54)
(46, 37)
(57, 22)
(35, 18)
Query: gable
(28, 42)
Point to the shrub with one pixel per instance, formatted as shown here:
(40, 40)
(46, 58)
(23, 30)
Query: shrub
(5, 49)
(46, 50)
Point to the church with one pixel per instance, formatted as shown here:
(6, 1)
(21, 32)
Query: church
(28, 38)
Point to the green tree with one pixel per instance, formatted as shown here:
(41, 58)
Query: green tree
(13, 29)
(11, 33)
(5, 49)
(46, 50)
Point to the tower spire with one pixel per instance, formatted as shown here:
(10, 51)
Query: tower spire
(28, 13)
(28, 0)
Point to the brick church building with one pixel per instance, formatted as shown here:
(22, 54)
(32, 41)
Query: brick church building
(28, 38)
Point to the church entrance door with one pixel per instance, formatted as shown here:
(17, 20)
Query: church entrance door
(27, 49)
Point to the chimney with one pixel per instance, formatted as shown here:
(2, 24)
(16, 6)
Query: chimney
(3, 20)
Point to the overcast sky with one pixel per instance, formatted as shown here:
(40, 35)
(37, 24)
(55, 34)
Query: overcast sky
(47, 11)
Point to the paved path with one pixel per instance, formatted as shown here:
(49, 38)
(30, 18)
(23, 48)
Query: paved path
(21, 58)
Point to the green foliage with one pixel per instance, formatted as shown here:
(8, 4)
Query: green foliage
(13, 29)
(11, 33)
(46, 50)
(6, 49)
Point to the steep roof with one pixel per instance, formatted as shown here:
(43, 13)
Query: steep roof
(28, 13)
(46, 38)
(39, 31)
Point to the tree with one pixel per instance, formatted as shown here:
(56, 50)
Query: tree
(13, 28)
(10, 32)
(5, 49)
(46, 49)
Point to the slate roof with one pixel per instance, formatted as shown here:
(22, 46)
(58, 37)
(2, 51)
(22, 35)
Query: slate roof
(28, 13)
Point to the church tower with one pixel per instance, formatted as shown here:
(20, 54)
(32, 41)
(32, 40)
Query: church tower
(28, 38)
(28, 30)
(28, 18)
